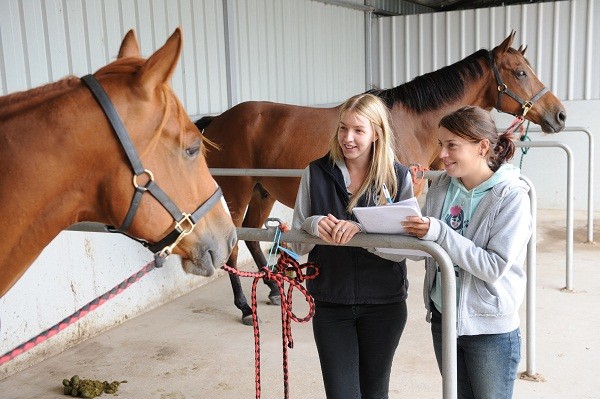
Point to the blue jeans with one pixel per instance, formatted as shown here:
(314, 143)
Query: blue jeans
(356, 345)
(487, 363)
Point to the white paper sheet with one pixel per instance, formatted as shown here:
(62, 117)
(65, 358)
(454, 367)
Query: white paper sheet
(387, 219)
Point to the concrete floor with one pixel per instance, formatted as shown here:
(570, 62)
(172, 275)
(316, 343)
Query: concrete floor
(195, 346)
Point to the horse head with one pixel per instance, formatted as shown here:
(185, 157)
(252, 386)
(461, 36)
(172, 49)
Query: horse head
(174, 193)
(519, 91)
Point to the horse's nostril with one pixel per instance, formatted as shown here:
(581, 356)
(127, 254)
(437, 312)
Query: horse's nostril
(562, 116)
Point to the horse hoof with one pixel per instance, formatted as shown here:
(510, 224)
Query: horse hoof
(275, 300)
(247, 320)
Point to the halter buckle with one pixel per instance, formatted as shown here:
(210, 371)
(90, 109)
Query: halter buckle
(527, 105)
(168, 250)
(502, 87)
(186, 218)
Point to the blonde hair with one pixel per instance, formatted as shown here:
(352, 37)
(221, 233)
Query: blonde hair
(381, 169)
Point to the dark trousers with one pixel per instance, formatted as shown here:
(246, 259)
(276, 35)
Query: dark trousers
(356, 345)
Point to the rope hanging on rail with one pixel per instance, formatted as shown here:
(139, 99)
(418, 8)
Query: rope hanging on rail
(286, 270)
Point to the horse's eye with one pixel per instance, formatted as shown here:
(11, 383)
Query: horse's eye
(192, 151)
(521, 74)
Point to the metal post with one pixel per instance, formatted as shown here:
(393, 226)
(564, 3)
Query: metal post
(590, 196)
(256, 172)
(530, 306)
(449, 375)
(570, 176)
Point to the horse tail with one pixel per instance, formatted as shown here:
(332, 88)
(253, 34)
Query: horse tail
(203, 122)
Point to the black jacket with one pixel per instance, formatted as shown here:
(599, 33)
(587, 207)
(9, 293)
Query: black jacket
(350, 275)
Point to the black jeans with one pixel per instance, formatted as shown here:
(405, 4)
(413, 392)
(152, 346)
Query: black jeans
(356, 345)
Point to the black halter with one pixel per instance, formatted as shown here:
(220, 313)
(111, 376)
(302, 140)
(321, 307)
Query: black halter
(184, 222)
(503, 89)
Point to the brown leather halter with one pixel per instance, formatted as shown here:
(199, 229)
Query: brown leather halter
(184, 222)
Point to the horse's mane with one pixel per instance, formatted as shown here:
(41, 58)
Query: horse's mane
(36, 95)
(436, 89)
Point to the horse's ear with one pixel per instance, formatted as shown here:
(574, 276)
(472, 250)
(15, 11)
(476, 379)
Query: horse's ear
(161, 65)
(522, 50)
(505, 45)
(129, 46)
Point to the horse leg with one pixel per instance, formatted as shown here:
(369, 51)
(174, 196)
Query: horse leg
(239, 299)
(237, 192)
(258, 211)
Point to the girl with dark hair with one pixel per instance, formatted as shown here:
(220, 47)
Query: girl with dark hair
(479, 212)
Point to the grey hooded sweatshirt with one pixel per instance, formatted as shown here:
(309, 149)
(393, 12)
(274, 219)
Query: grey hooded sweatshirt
(489, 253)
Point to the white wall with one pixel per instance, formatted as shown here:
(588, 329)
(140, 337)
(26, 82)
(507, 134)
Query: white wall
(74, 269)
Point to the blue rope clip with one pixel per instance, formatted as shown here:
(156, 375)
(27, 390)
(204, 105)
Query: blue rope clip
(272, 259)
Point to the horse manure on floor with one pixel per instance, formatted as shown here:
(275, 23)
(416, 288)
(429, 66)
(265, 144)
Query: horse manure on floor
(79, 388)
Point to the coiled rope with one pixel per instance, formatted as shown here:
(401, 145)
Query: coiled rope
(287, 270)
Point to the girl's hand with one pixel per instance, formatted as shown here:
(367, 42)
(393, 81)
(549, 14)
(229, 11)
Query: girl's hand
(335, 231)
(416, 226)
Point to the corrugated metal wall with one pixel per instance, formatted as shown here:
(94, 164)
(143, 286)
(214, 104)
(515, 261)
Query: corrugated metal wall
(294, 51)
(43, 41)
(299, 52)
(563, 40)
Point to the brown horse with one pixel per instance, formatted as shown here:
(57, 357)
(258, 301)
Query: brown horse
(270, 136)
(62, 162)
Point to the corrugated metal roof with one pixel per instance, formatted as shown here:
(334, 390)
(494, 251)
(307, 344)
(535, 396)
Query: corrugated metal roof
(409, 7)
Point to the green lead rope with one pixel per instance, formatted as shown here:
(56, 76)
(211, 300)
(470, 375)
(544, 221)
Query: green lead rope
(524, 150)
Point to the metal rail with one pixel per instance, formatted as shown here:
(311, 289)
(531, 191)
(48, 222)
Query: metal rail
(590, 194)
(570, 178)
(449, 360)
(449, 375)
(531, 247)
(530, 305)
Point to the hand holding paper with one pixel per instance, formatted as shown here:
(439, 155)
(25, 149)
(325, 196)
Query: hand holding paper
(387, 219)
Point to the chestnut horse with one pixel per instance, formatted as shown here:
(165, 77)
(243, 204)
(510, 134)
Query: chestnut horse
(270, 136)
(63, 160)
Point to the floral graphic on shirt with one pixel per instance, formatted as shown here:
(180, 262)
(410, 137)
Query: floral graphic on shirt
(456, 219)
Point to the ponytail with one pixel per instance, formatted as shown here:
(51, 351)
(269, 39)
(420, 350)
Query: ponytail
(503, 151)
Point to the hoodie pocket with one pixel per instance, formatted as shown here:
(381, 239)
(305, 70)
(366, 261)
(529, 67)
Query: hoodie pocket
(485, 303)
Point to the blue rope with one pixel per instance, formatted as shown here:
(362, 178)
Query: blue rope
(272, 259)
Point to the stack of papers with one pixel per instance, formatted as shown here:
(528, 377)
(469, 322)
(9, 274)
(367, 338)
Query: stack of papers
(387, 219)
